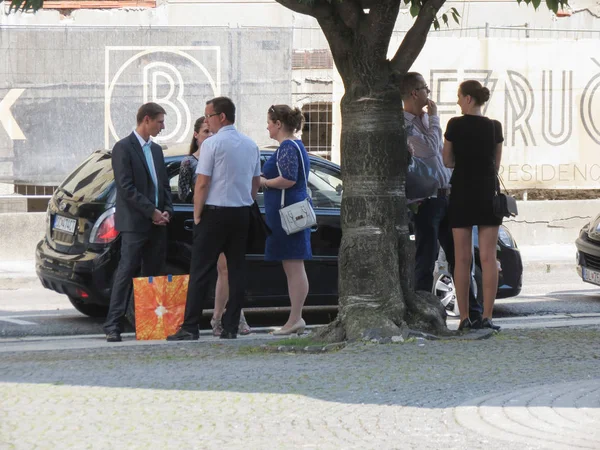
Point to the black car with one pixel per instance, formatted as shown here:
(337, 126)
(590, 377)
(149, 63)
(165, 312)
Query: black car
(80, 252)
(588, 252)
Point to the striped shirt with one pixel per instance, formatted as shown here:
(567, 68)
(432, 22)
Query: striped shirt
(424, 137)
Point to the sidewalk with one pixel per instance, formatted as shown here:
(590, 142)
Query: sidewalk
(518, 390)
(536, 259)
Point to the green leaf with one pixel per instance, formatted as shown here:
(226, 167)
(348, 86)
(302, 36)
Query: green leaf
(455, 17)
(454, 11)
(536, 3)
(552, 5)
(436, 24)
(414, 9)
(445, 19)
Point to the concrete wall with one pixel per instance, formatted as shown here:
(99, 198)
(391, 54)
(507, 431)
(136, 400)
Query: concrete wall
(77, 89)
(538, 223)
(551, 221)
(19, 234)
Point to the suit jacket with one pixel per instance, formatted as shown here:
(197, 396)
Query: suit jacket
(135, 188)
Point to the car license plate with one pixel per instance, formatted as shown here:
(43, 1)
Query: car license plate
(64, 224)
(591, 275)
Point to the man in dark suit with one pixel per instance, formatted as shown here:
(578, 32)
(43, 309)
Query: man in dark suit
(143, 209)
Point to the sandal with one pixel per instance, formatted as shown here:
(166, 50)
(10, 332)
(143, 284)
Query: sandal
(243, 328)
(217, 327)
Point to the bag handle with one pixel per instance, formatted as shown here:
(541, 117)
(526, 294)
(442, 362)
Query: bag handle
(303, 170)
(498, 177)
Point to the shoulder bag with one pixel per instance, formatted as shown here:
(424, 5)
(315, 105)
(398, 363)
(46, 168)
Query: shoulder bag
(504, 205)
(297, 216)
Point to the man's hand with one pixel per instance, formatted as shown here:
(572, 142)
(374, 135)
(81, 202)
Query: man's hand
(158, 218)
(431, 107)
(196, 220)
(263, 182)
(166, 216)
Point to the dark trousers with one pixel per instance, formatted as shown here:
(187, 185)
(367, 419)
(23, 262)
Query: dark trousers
(222, 230)
(142, 254)
(432, 229)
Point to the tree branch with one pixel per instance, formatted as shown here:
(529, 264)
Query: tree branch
(351, 12)
(317, 9)
(415, 38)
(379, 25)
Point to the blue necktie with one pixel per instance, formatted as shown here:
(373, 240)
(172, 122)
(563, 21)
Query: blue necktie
(150, 162)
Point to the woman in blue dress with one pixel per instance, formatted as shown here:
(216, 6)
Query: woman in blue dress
(288, 170)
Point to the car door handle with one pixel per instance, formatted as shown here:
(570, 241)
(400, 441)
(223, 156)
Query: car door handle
(314, 228)
(188, 225)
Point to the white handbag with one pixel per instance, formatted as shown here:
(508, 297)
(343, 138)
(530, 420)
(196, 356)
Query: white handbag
(298, 216)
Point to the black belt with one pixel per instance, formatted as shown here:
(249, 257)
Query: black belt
(224, 207)
(443, 192)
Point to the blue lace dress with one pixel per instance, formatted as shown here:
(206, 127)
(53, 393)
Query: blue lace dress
(279, 245)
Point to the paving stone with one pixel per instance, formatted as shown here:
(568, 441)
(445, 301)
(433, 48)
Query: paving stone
(519, 389)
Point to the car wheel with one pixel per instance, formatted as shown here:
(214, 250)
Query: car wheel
(443, 289)
(89, 309)
(171, 269)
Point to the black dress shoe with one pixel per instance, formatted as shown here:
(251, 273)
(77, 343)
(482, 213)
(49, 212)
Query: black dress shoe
(465, 324)
(183, 335)
(476, 324)
(113, 336)
(487, 323)
(228, 335)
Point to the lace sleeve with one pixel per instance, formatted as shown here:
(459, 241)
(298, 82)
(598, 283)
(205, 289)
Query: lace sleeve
(185, 180)
(287, 159)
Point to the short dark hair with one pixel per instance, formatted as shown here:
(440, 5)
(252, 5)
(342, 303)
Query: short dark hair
(151, 110)
(292, 119)
(223, 105)
(474, 88)
(409, 83)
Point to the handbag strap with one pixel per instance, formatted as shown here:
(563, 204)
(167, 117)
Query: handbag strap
(498, 177)
(303, 170)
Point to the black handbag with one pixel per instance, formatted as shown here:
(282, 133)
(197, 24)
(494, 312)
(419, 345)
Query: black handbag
(505, 205)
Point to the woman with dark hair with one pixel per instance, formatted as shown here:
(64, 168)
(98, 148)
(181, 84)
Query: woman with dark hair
(473, 147)
(288, 170)
(187, 170)
(187, 181)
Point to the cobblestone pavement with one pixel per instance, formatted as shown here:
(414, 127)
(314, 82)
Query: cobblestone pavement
(521, 389)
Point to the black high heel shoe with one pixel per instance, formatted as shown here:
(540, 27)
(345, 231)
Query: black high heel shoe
(464, 324)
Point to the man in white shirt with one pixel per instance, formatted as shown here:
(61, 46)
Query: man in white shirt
(228, 181)
(424, 138)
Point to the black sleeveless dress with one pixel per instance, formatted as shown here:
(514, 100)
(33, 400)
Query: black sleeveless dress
(474, 180)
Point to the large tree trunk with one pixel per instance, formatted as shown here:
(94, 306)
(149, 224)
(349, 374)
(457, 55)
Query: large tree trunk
(376, 259)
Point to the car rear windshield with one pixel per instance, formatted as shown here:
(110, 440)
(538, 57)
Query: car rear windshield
(91, 180)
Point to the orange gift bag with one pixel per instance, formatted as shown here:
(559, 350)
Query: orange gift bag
(159, 305)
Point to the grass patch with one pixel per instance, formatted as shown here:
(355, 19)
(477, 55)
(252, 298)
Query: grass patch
(297, 342)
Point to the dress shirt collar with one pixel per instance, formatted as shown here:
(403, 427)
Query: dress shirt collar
(141, 139)
(226, 128)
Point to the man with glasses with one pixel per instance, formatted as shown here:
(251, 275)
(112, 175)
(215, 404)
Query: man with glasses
(424, 138)
(228, 181)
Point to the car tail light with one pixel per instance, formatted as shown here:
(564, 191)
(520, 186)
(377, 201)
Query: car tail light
(81, 293)
(104, 231)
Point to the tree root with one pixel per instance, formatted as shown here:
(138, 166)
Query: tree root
(426, 313)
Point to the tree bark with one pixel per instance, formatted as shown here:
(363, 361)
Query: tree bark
(376, 257)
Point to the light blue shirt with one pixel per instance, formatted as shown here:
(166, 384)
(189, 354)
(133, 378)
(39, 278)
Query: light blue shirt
(231, 159)
(148, 154)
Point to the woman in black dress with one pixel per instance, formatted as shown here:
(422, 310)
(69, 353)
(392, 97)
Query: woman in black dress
(473, 148)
